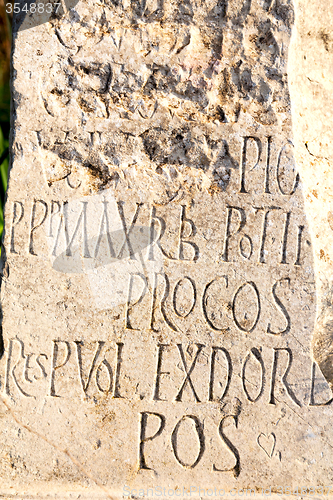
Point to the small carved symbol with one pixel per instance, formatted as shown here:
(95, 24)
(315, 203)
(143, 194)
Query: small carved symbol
(73, 186)
(267, 443)
(146, 111)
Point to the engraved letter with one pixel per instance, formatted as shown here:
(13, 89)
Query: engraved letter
(299, 245)
(236, 469)
(17, 217)
(144, 438)
(55, 361)
(41, 366)
(105, 222)
(162, 305)
(264, 233)
(192, 231)
(159, 372)
(10, 371)
(246, 247)
(247, 326)
(212, 373)
(127, 232)
(283, 309)
(228, 234)
(213, 316)
(34, 224)
(116, 393)
(69, 241)
(285, 239)
(268, 159)
(105, 364)
(154, 218)
(201, 439)
(257, 355)
(130, 305)
(258, 144)
(79, 344)
(52, 214)
(284, 376)
(188, 372)
(278, 174)
(180, 311)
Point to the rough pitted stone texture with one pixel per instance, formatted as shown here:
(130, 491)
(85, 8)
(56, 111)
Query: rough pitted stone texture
(158, 288)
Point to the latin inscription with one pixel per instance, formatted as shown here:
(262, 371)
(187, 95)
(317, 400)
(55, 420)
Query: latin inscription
(162, 329)
(106, 365)
(81, 236)
(68, 229)
(100, 369)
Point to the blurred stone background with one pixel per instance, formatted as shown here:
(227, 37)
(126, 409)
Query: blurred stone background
(5, 49)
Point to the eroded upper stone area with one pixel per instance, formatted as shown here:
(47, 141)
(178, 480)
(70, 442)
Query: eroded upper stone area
(167, 78)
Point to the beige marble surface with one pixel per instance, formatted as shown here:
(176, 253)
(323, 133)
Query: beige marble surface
(161, 267)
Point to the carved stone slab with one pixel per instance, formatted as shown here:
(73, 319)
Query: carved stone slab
(158, 290)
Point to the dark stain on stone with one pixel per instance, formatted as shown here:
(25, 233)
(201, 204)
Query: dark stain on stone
(325, 37)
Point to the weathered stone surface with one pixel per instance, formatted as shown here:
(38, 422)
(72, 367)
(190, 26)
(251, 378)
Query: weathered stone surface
(311, 77)
(158, 288)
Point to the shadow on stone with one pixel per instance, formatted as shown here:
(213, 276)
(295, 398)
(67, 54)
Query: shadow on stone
(106, 249)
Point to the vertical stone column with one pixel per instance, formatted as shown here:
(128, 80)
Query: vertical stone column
(310, 75)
